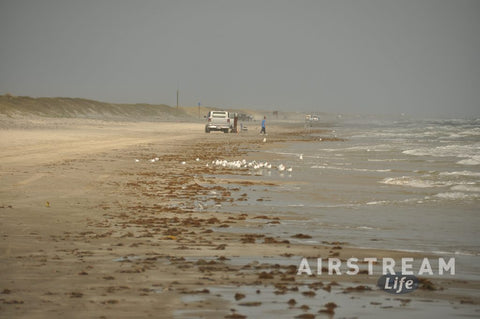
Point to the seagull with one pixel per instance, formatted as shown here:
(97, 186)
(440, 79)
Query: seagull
(152, 160)
(137, 160)
(264, 140)
(183, 163)
(281, 167)
(289, 169)
(197, 159)
(301, 156)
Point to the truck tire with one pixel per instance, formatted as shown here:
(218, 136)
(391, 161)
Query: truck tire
(225, 130)
(207, 130)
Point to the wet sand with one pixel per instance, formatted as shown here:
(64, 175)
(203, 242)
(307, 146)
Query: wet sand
(91, 227)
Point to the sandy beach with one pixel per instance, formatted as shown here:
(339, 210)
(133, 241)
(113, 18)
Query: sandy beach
(240, 159)
(107, 219)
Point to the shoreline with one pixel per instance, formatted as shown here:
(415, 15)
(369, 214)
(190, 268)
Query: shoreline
(86, 230)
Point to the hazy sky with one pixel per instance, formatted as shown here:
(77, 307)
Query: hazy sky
(411, 56)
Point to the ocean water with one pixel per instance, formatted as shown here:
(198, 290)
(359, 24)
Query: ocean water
(411, 185)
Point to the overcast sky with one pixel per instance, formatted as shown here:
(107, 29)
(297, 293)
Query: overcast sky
(359, 56)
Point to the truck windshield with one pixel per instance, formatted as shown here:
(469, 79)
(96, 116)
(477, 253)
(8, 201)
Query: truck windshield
(219, 115)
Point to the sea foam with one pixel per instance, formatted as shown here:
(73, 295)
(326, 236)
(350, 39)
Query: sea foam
(413, 182)
(474, 160)
(466, 188)
(456, 195)
(461, 173)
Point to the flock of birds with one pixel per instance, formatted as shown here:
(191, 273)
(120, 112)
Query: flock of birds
(238, 164)
(249, 165)
(243, 164)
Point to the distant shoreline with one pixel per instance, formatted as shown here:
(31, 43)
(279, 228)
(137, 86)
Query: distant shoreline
(68, 107)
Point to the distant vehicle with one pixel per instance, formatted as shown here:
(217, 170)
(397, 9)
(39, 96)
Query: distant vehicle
(245, 117)
(311, 118)
(218, 121)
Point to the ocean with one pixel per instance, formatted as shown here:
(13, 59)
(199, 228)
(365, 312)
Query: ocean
(410, 185)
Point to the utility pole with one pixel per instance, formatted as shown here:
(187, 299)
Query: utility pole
(178, 92)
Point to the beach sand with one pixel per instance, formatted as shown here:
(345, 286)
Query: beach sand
(91, 227)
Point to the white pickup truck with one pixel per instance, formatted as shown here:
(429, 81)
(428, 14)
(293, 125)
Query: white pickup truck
(218, 121)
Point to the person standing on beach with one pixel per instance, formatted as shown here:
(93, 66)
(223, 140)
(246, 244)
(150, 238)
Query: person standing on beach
(235, 123)
(263, 130)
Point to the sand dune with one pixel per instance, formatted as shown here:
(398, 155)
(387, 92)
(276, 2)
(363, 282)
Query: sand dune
(61, 107)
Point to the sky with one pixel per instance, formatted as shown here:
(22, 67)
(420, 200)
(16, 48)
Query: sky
(419, 57)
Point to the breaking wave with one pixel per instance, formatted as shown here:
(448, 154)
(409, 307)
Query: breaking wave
(466, 188)
(414, 182)
(461, 173)
(446, 151)
(475, 160)
(351, 169)
(456, 195)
